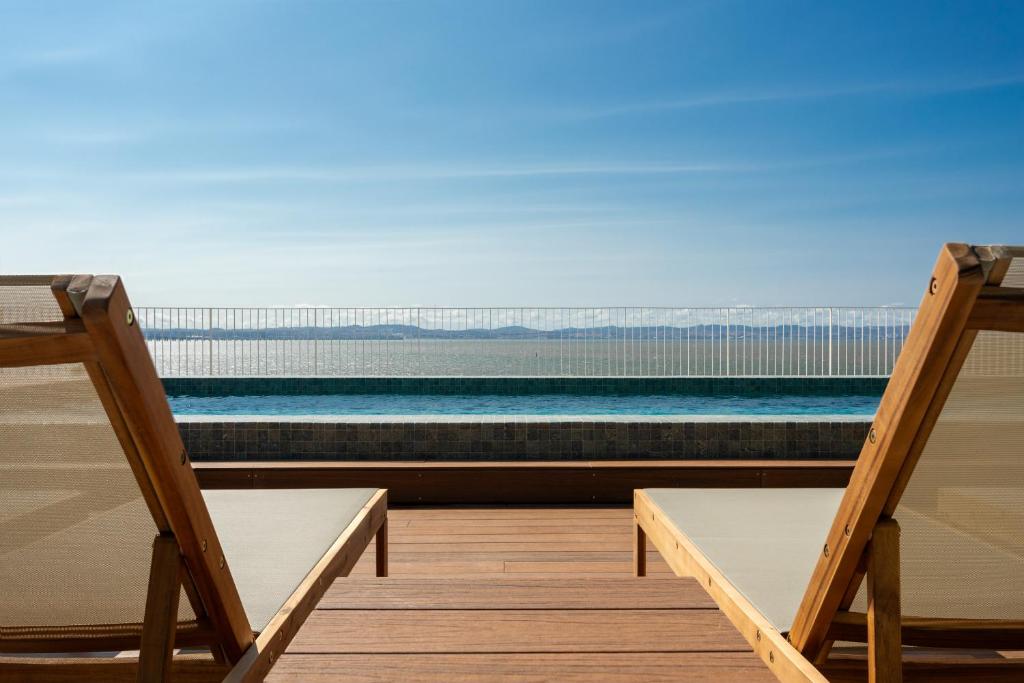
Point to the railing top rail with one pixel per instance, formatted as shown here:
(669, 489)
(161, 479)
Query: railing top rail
(616, 341)
(533, 308)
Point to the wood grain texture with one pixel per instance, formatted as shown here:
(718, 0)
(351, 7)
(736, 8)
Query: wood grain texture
(515, 593)
(885, 650)
(162, 597)
(484, 613)
(142, 405)
(686, 559)
(465, 631)
(942, 669)
(937, 632)
(339, 560)
(662, 667)
(25, 350)
(184, 669)
(912, 400)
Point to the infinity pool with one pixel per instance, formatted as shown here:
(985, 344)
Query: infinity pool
(542, 404)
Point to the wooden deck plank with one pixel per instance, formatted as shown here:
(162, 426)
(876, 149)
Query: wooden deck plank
(516, 593)
(502, 515)
(495, 562)
(655, 565)
(493, 631)
(561, 538)
(428, 528)
(580, 545)
(672, 667)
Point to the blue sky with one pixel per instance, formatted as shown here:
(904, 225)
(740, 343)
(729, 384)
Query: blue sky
(509, 153)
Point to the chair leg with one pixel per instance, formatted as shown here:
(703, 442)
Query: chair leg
(382, 549)
(161, 617)
(639, 550)
(885, 650)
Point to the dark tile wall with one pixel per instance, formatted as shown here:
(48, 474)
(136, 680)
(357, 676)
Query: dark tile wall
(522, 440)
(603, 386)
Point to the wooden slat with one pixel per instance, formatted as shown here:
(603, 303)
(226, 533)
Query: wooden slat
(184, 669)
(506, 515)
(537, 608)
(500, 545)
(932, 632)
(634, 667)
(900, 432)
(513, 527)
(381, 549)
(640, 544)
(1000, 313)
(943, 669)
(685, 558)
(339, 560)
(512, 593)
(41, 329)
(466, 631)
(101, 638)
(162, 597)
(655, 565)
(23, 351)
(449, 565)
(885, 651)
(132, 379)
(552, 536)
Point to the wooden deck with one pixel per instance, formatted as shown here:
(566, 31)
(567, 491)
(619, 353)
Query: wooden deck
(516, 594)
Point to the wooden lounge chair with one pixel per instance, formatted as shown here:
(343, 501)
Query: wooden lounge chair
(106, 541)
(932, 514)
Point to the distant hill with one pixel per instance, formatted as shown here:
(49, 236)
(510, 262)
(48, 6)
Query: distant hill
(519, 333)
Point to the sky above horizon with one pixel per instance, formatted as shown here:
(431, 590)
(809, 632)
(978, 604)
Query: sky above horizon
(509, 153)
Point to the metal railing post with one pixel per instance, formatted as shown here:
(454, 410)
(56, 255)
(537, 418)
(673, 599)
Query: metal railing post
(569, 342)
(829, 342)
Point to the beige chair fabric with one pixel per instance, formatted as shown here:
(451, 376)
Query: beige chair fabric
(962, 515)
(766, 541)
(273, 537)
(75, 533)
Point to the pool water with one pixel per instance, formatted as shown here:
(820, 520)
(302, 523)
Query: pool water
(541, 404)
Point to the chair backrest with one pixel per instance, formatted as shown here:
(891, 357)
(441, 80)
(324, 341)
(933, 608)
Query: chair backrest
(944, 457)
(91, 470)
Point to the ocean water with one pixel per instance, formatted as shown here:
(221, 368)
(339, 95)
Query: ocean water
(544, 404)
(497, 358)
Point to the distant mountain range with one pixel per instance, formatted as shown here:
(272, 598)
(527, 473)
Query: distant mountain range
(519, 333)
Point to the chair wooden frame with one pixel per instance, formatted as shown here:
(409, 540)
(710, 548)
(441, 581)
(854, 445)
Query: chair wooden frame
(963, 297)
(99, 330)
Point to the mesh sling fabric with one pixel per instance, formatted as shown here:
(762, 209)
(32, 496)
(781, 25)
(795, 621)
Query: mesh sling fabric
(75, 533)
(962, 515)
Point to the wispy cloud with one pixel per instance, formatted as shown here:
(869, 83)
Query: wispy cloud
(8, 201)
(790, 94)
(373, 173)
(96, 137)
(426, 172)
(60, 56)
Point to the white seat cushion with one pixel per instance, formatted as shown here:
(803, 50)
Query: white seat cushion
(766, 542)
(273, 537)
